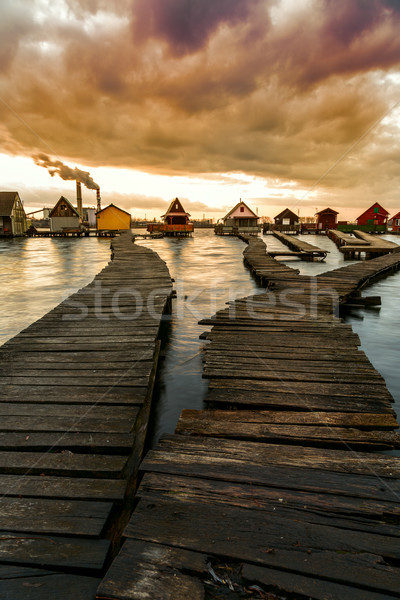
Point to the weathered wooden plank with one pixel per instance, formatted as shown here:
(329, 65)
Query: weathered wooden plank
(78, 488)
(73, 394)
(297, 401)
(313, 507)
(283, 582)
(333, 419)
(68, 410)
(22, 583)
(315, 550)
(304, 387)
(222, 467)
(144, 570)
(63, 517)
(67, 463)
(297, 456)
(99, 443)
(128, 380)
(269, 373)
(53, 551)
(68, 424)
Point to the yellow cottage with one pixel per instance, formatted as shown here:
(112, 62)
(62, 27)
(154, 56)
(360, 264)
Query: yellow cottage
(112, 218)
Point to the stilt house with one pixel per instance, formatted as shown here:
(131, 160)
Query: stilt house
(396, 222)
(12, 215)
(175, 221)
(112, 218)
(64, 217)
(287, 220)
(327, 219)
(375, 218)
(240, 219)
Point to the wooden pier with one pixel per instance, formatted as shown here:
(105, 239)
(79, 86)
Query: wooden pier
(76, 388)
(371, 246)
(280, 488)
(304, 250)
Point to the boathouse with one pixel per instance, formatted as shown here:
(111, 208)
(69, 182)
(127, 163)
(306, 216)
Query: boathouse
(396, 222)
(287, 220)
(175, 221)
(12, 215)
(326, 219)
(64, 217)
(375, 218)
(240, 219)
(112, 218)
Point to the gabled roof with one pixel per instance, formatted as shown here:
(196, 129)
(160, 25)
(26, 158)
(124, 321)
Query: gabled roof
(113, 206)
(241, 203)
(287, 213)
(384, 212)
(327, 210)
(64, 199)
(396, 216)
(7, 200)
(176, 209)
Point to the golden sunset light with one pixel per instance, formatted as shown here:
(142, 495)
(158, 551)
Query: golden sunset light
(281, 103)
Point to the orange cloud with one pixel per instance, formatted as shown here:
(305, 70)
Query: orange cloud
(206, 86)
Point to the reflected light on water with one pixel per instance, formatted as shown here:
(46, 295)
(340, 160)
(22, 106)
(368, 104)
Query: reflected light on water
(36, 274)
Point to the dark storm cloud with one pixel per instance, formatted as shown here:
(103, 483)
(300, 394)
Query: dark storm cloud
(201, 86)
(186, 25)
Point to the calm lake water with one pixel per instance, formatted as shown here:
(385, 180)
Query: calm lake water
(37, 274)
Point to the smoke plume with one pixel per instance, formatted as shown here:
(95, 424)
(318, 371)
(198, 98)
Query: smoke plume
(56, 167)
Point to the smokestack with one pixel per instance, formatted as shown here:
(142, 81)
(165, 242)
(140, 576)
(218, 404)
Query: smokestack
(98, 199)
(79, 199)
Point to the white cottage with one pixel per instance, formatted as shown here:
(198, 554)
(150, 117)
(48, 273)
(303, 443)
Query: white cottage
(64, 216)
(241, 219)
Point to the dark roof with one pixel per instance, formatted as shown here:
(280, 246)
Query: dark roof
(64, 199)
(7, 200)
(236, 206)
(113, 205)
(176, 211)
(327, 210)
(384, 212)
(287, 213)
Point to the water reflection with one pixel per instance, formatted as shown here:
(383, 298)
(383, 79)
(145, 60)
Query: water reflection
(38, 273)
(208, 272)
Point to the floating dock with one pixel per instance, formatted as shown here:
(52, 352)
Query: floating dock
(280, 486)
(76, 388)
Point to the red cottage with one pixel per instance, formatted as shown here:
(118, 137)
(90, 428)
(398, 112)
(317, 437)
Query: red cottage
(376, 215)
(175, 221)
(396, 222)
(327, 219)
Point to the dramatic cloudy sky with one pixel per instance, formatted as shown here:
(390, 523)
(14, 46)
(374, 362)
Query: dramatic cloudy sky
(280, 102)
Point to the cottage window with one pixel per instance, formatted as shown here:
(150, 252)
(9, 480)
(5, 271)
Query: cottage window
(376, 209)
(176, 206)
(285, 221)
(397, 223)
(242, 209)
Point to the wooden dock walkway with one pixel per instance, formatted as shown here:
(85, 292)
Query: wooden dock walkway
(280, 488)
(307, 251)
(363, 243)
(345, 239)
(76, 389)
